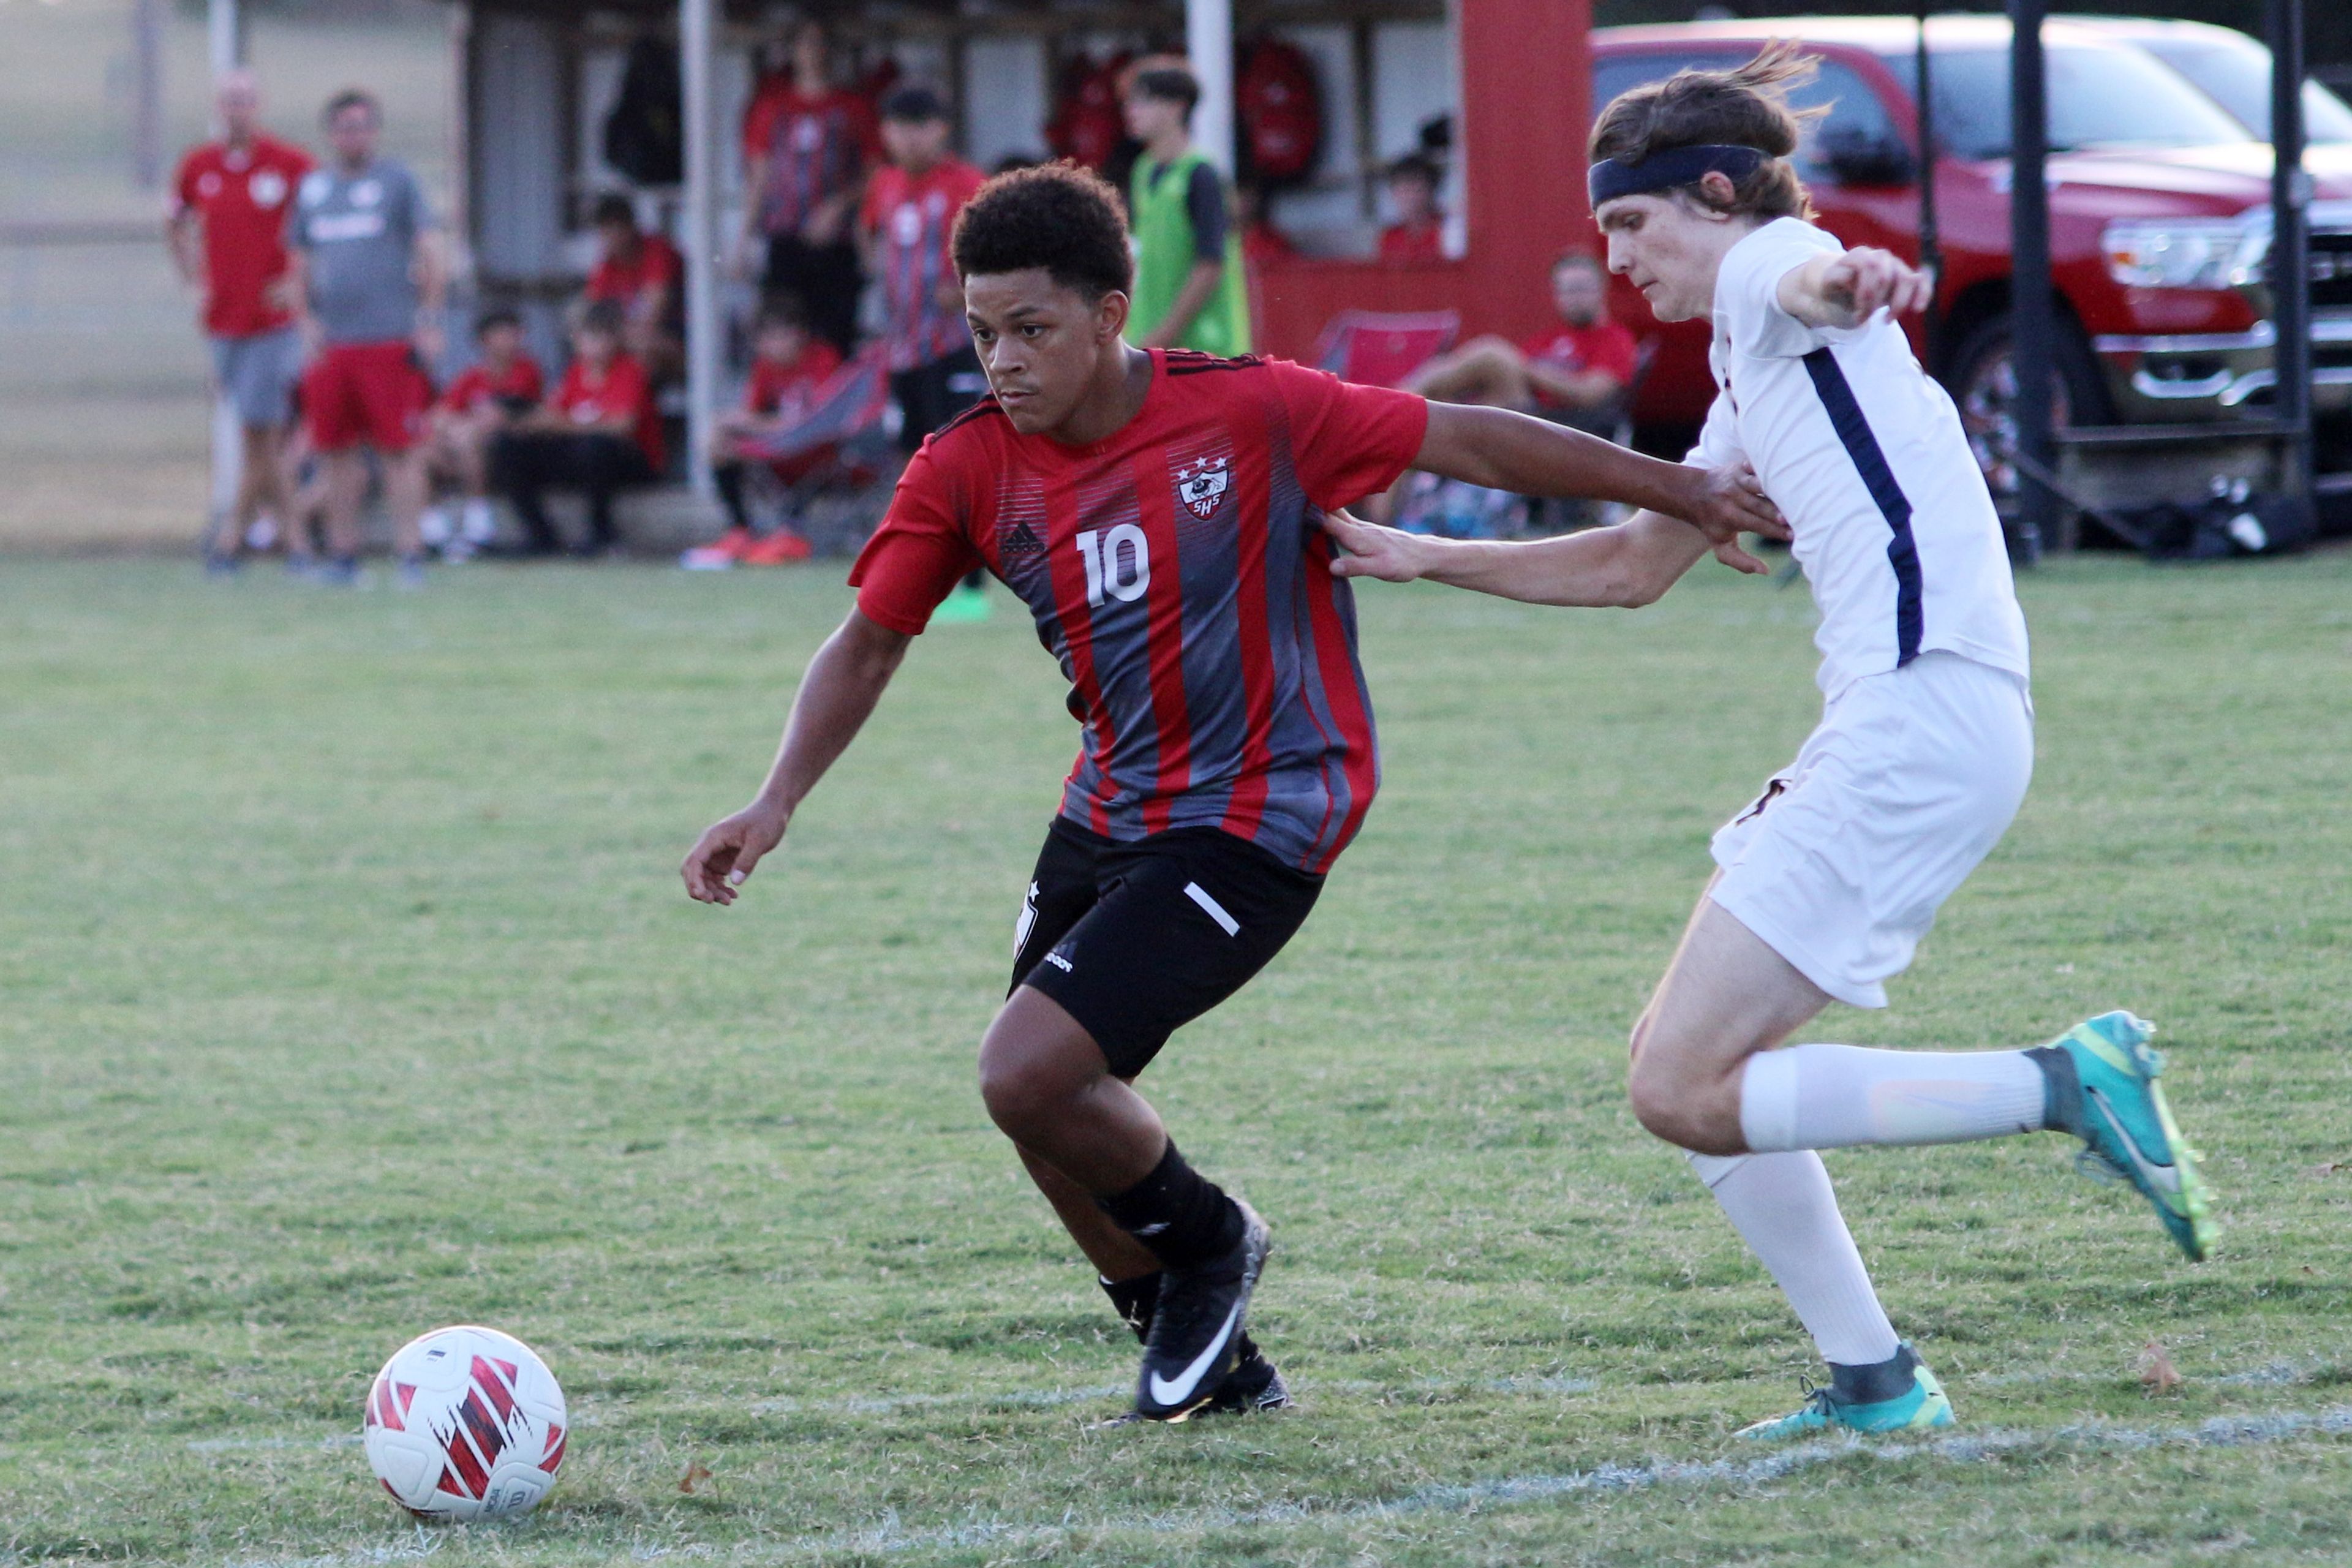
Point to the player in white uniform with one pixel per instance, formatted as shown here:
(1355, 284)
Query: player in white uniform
(1827, 882)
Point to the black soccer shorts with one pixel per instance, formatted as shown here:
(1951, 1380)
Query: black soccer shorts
(1137, 940)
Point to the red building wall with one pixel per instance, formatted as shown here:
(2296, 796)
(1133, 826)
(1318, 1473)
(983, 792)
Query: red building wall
(1526, 75)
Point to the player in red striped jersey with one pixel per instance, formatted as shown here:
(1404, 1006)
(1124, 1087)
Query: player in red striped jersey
(1159, 512)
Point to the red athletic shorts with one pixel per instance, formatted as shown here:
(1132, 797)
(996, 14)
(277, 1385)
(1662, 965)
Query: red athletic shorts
(375, 392)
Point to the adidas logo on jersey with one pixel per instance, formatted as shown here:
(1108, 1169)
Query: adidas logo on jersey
(1023, 541)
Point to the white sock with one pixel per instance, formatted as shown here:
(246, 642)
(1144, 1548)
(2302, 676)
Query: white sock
(1782, 1207)
(1828, 1097)
(481, 525)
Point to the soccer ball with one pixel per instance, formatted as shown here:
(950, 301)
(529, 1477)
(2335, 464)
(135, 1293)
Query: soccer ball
(465, 1422)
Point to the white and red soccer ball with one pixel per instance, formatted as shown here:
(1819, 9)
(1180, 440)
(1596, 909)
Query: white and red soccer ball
(465, 1422)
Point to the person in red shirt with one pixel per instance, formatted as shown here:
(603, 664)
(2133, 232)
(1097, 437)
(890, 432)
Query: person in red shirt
(807, 145)
(787, 367)
(909, 211)
(642, 273)
(910, 208)
(600, 433)
(1159, 511)
(1578, 372)
(501, 387)
(1418, 232)
(227, 234)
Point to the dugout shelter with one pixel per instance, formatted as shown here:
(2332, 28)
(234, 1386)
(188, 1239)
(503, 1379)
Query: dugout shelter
(537, 80)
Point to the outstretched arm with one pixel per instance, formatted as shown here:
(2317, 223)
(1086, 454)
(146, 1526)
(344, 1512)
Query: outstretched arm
(1847, 289)
(1626, 566)
(1505, 451)
(837, 695)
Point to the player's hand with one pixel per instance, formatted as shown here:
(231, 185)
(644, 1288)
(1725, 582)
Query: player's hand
(1730, 501)
(1857, 285)
(1388, 554)
(429, 342)
(728, 851)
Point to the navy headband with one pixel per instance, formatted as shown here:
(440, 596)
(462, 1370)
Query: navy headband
(1609, 179)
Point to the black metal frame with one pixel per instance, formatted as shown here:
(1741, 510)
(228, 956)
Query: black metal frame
(2032, 309)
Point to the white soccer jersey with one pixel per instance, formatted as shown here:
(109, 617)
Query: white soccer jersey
(1865, 457)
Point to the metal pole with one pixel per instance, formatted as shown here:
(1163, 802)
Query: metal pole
(1209, 45)
(147, 111)
(1931, 258)
(702, 336)
(2032, 317)
(223, 36)
(2290, 258)
(224, 51)
(460, 220)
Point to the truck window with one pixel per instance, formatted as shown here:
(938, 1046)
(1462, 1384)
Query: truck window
(2098, 98)
(1856, 116)
(2236, 71)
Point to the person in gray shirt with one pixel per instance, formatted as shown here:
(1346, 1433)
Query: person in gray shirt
(368, 270)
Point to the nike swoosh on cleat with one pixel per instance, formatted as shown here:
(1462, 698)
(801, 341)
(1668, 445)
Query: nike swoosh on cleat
(2165, 1179)
(1166, 1393)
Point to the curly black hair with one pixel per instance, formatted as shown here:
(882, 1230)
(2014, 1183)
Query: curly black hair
(1056, 215)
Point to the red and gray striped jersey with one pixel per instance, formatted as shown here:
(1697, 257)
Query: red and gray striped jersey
(910, 219)
(1176, 570)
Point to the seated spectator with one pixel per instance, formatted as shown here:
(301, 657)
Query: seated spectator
(1577, 373)
(788, 365)
(598, 434)
(503, 385)
(642, 273)
(1418, 232)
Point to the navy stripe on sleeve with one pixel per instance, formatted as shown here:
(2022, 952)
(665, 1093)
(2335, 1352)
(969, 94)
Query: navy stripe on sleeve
(1861, 446)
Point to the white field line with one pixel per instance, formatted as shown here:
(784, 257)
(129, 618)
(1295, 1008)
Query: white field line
(2270, 1374)
(889, 1538)
(1025, 1398)
(2222, 1432)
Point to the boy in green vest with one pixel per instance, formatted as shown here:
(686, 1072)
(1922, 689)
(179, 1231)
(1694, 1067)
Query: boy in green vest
(1189, 292)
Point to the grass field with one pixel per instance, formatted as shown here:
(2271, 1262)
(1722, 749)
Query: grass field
(346, 989)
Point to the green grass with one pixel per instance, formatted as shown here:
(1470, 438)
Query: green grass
(346, 989)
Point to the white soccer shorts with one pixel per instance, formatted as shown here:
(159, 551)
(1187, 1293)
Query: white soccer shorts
(1911, 779)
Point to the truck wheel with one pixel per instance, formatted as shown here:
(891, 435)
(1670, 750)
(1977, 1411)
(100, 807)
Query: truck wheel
(1983, 382)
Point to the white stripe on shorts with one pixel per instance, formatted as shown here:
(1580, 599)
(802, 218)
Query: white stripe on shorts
(1199, 895)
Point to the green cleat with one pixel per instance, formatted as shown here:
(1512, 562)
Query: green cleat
(1916, 1409)
(2126, 1127)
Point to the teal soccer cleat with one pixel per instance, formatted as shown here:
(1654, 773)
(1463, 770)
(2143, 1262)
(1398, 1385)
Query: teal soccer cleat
(2126, 1127)
(1921, 1406)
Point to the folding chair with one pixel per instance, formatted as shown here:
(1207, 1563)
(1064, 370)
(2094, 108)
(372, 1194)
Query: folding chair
(1380, 348)
(831, 444)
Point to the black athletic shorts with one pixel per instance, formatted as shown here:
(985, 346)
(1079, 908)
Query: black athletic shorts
(1137, 940)
(930, 395)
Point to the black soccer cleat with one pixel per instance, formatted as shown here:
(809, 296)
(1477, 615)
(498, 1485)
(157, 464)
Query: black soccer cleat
(1253, 1385)
(1197, 1329)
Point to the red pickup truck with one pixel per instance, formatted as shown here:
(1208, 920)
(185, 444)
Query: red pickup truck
(2159, 217)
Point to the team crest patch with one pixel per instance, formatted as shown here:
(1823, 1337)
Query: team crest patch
(1201, 486)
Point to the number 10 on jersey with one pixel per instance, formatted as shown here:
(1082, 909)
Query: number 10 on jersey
(1117, 563)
